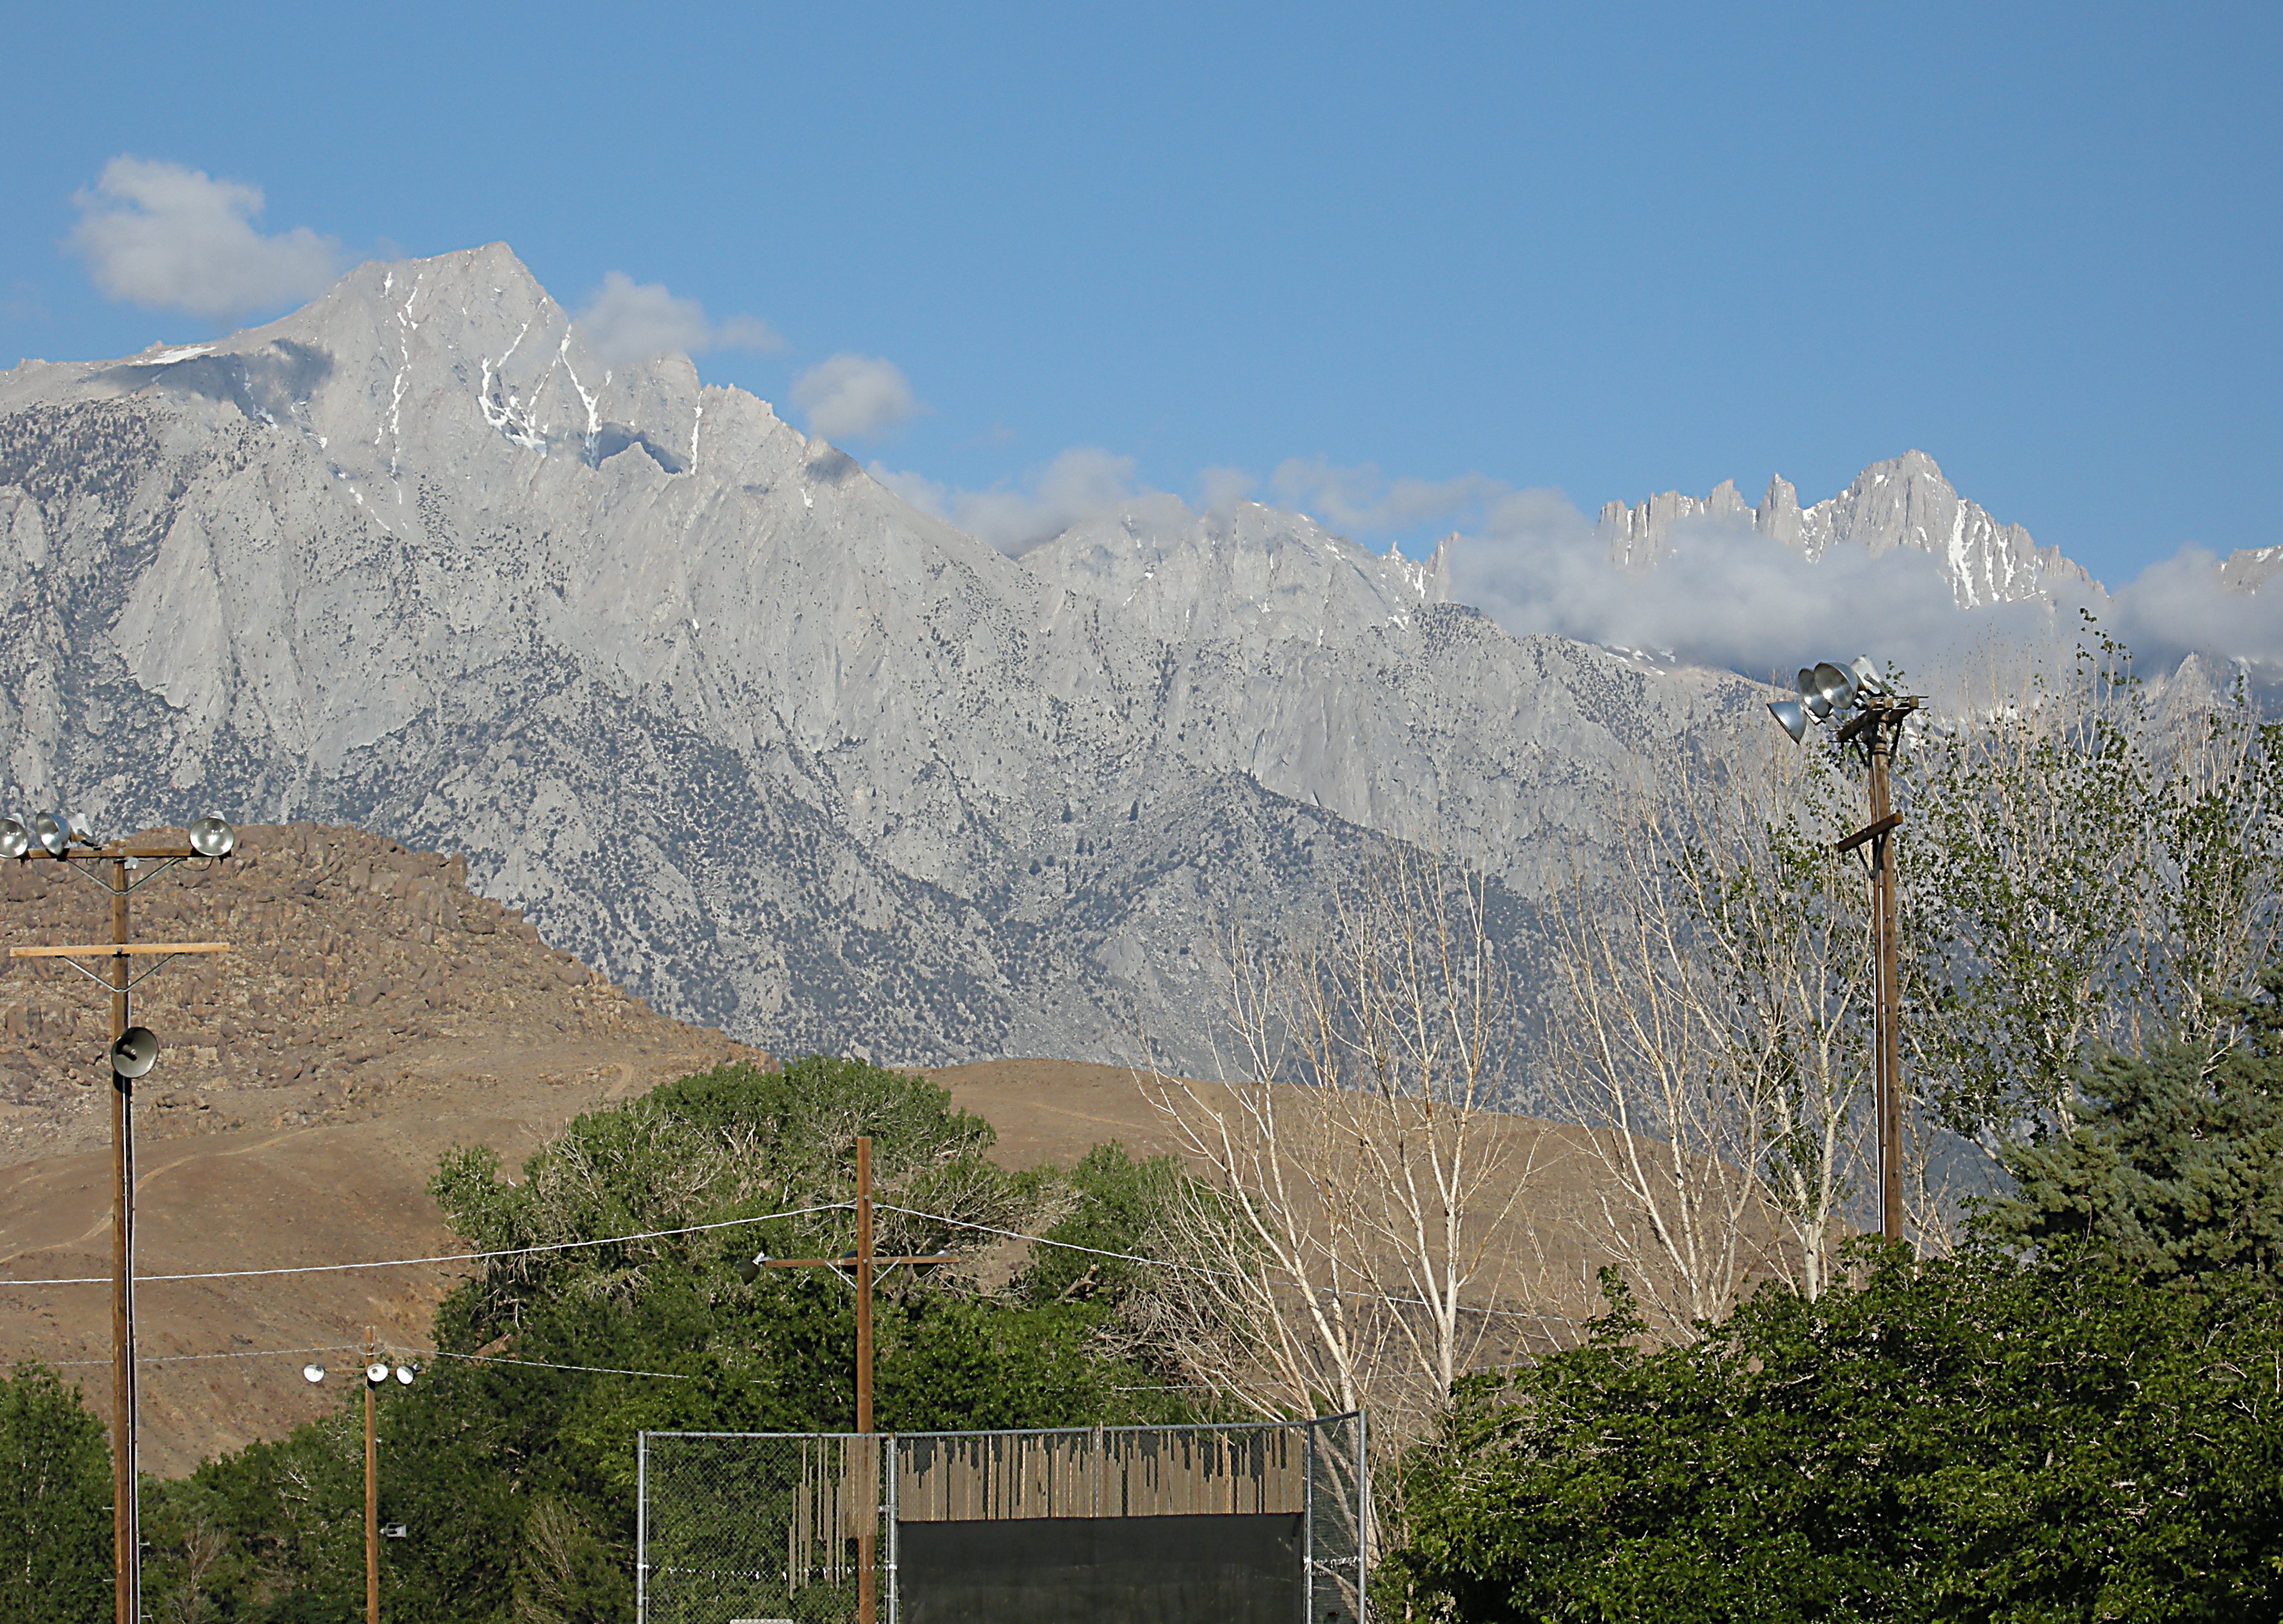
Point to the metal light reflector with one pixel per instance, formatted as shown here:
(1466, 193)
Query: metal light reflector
(135, 1051)
(1792, 715)
(1836, 687)
(15, 840)
(210, 837)
(52, 834)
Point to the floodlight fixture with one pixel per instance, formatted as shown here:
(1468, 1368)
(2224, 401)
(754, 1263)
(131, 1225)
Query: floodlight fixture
(749, 1269)
(1836, 687)
(404, 1374)
(1828, 693)
(376, 1373)
(210, 837)
(1811, 696)
(1791, 716)
(135, 1051)
(313, 1373)
(15, 840)
(53, 836)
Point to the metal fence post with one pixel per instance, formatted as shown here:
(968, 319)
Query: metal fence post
(641, 1528)
(895, 1567)
(1308, 1529)
(1364, 1517)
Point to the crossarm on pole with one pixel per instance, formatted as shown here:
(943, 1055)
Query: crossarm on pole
(132, 950)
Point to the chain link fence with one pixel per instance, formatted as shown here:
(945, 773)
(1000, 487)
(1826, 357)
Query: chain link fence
(1268, 1521)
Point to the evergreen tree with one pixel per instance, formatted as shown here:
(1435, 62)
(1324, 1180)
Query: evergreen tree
(2174, 1165)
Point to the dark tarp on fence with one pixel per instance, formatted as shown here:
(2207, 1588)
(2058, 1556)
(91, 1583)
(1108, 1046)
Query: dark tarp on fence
(1242, 1569)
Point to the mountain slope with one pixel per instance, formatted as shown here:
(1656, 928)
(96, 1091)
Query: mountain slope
(721, 712)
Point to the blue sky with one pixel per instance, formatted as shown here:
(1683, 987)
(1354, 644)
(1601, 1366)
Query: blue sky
(1610, 249)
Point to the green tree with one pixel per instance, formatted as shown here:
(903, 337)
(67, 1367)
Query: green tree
(512, 1461)
(1984, 1437)
(55, 1503)
(2087, 868)
(2175, 1164)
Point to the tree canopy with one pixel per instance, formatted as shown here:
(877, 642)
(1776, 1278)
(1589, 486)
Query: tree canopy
(55, 1502)
(2175, 1164)
(511, 1460)
(1990, 1436)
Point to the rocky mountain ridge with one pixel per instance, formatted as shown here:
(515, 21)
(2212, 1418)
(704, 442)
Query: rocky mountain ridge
(732, 722)
(1901, 503)
(722, 714)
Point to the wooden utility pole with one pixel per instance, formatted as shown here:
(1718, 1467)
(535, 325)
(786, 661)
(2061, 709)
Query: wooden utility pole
(866, 1465)
(867, 1535)
(1880, 727)
(115, 863)
(371, 1486)
(864, 1283)
(126, 1503)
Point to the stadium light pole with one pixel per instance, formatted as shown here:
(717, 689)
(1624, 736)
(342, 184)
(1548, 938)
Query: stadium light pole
(1857, 703)
(376, 1372)
(116, 868)
(865, 1263)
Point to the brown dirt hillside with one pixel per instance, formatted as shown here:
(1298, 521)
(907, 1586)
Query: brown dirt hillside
(372, 1013)
(1054, 1111)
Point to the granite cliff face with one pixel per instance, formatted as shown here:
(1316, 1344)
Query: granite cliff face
(724, 716)
(1903, 503)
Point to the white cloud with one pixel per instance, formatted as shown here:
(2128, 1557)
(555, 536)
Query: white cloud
(1361, 501)
(1729, 597)
(929, 496)
(165, 235)
(1222, 489)
(1724, 595)
(628, 321)
(2179, 605)
(1076, 485)
(854, 397)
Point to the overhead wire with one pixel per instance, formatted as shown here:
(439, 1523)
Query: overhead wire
(542, 1364)
(452, 1257)
(695, 1228)
(1219, 1274)
(241, 1353)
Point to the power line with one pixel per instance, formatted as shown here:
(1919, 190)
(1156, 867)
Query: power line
(1217, 1274)
(542, 1364)
(730, 1223)
(455, 1257)
(246, 1352)
(337, 1347)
